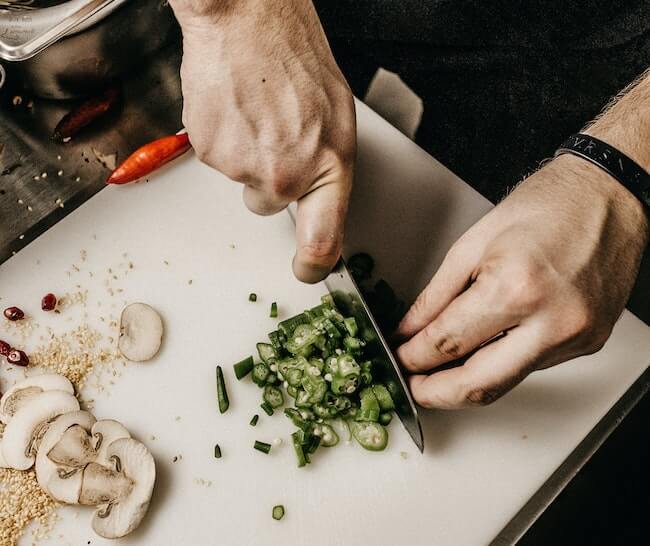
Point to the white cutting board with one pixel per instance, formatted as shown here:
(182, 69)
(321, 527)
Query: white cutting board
(479, 467)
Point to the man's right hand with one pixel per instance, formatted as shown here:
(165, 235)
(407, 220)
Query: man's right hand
(266, 104)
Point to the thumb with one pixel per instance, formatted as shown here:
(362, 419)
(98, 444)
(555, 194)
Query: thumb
(320, 225)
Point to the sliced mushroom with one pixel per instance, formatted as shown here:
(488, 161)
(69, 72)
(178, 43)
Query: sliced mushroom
(103, 486)
(62, 482)
(18, 395)
(73, 449)
(141, 331)
(121, 515)
(19, 434)
(104, 433)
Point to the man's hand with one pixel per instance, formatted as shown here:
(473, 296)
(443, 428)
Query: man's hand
(266, 104)
(552, 267)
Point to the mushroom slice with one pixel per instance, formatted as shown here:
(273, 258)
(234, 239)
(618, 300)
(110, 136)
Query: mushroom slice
(124, 513)
(17, 441)
(62, 482)
(73, 449)
(20, 394)
(141, 331)
(104, 433)
(102, 486)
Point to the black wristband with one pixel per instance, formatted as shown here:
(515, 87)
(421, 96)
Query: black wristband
(627, 171)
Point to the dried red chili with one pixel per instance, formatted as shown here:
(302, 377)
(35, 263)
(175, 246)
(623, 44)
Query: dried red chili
(87, 112)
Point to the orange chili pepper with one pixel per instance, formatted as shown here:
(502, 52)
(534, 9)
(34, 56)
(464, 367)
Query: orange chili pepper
(150, 157)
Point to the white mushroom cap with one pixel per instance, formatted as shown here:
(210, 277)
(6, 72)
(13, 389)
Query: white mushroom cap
(141, 331)
(104, 433)
(24, 390)
(124, 514)
(18, 436)
(64, 486)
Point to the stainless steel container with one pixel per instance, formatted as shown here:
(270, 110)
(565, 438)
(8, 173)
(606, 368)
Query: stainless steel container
(112, 38)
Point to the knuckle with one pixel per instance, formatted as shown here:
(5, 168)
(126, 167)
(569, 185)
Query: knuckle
(444, 343)
(482, 395)
(580, 323)
(203, 153)
(232, 169)
(316, 253)
(282, 185)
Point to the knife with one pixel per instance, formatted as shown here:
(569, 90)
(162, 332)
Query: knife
(348, 297)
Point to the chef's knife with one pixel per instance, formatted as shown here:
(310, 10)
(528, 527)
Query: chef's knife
(347, 295)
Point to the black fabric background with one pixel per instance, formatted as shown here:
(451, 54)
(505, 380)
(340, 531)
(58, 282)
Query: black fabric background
(503, 84)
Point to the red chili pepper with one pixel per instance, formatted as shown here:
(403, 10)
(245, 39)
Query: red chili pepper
(86, 113)
(150, 157)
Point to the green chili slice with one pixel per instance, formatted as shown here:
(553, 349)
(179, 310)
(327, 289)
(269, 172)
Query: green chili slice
(371, 436)
(273, 396)
(243, 368)
(222, 393)
(262, 446)
(278, 512)
(268, 409)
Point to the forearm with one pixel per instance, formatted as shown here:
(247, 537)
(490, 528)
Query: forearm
(625, 122)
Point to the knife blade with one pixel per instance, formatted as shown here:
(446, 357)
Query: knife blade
(348, 297)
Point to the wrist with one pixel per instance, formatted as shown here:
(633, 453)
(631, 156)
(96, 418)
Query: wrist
(590, 186)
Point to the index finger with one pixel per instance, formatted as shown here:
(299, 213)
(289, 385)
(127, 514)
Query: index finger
(486, 376)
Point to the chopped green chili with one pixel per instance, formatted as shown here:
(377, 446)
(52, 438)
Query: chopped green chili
(217, 451)
(243, 368)
(267, 352)
(261, 373)
(222, 394)
(254, 420)
(262, 446)
(278, 512)
(323, 358)
(371, 436)
(273, 396)
(268, 409)
(274, 310)
(297, 446)
(252, 296)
